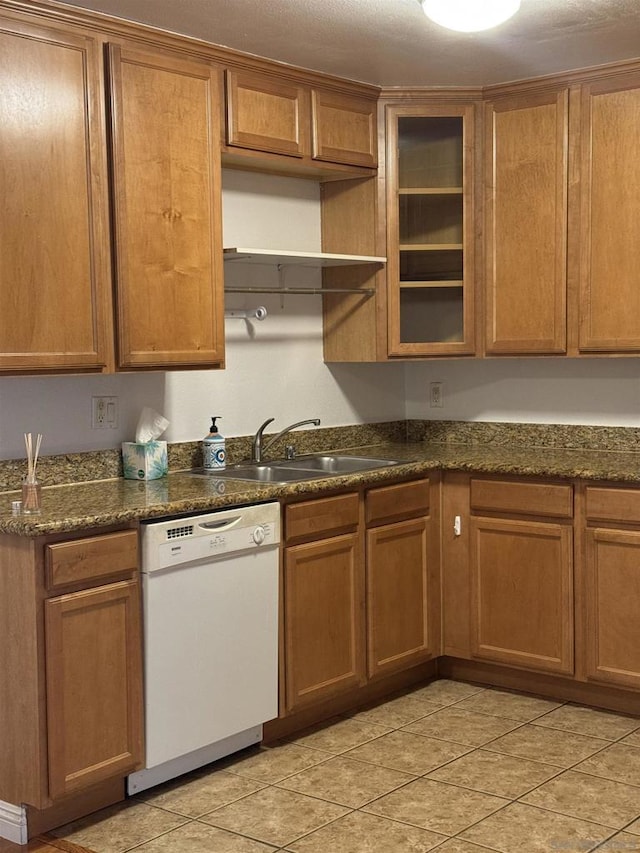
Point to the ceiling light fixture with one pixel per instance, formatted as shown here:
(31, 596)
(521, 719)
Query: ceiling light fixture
(469, 16)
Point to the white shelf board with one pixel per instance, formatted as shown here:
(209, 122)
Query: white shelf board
(300, 259)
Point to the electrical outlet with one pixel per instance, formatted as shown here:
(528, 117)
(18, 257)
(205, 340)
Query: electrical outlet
(436, 395)
(104, 413)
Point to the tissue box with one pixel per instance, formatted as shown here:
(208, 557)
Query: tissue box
(144, 461)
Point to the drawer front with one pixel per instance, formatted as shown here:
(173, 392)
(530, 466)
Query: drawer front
(613, 504)
(502, 496)
(402, 500)
(321, 518)
(91, 558)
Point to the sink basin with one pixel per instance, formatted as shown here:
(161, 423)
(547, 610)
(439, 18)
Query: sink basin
(303, 468)
(336, 464)
(266, 473)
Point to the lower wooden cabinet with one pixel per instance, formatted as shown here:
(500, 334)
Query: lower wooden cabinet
(612, 586)
(94, 685)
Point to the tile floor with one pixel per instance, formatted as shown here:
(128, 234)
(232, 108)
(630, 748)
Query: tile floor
(450, 767)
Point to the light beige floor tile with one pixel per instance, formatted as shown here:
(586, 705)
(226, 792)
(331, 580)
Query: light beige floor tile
(589, 721)
(275, 816)
(435, 806)
(200, 793)
(460, 726)
(366, 833)
(495, 773)
(621, 842)
(524, 828)
(273, 763)
(119, 827)
(346, 782)
(589, 798)
(633, 739)
(458, 845)
(408, 753)
(196, 837)
(397, 712)
(634, 827)
(445, 692)
(503, 703)
(550, 746)
(340, 735)
(619, 762)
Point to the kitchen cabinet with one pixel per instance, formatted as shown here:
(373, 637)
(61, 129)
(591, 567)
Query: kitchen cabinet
(526, 175)
(430, 174)
(508, 562)
(607, 256)
(402, 572)
(611, 602)
(55, 301)
(75, 678)
(283, 116)
(323, 600)
(168, 228)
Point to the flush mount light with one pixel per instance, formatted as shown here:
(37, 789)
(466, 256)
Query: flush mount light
(469, 16)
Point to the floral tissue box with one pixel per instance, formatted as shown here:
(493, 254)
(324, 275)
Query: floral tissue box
(144, 461)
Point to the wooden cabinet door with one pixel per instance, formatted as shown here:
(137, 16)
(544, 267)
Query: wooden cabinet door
(609, 183)
(55, 301)
(344, 129)
(612, 596)
(399, 598)
(526, 139)
(166, 172)
(94, 685)
(430, 229)
(324, 625)
(522, 593)
(267, 114)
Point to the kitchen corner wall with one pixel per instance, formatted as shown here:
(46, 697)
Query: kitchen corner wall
(275, 368)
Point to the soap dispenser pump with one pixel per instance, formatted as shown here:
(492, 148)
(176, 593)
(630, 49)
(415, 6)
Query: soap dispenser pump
(213, 450)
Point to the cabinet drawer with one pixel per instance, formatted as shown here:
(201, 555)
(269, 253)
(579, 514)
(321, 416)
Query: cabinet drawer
(91, 558)
(613, 504)
(399, 501)
(522, 498)
(319, 518)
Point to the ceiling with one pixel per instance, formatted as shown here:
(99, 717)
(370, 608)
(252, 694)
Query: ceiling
(392, 43)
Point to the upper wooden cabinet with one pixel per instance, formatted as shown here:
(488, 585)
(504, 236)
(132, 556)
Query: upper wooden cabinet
(54, 246)
(270, 114)
(526, 147)
(607, 118)
(166, 173)
(430, 229)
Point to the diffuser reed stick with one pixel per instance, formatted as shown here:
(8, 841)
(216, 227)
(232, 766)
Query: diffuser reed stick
(31, 490)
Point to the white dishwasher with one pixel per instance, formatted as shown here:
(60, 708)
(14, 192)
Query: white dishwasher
(210, 611)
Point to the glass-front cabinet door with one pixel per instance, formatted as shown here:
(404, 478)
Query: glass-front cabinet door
(430, 233)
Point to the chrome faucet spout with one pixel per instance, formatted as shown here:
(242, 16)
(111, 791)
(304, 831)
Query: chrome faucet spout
(257, 448)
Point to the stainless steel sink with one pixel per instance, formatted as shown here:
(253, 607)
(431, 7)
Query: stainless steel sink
(337, 463)
(303, 468)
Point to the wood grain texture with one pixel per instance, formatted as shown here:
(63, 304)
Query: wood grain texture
(166, 138)
(522, 497)
(321, 517)
(344, 129)
(91, 558)
(455, 567)
(401, 500)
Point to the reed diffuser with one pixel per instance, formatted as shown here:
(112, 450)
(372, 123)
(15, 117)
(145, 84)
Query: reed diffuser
(31, 489)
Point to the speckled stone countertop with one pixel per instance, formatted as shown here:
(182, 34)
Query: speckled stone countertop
(111, 501)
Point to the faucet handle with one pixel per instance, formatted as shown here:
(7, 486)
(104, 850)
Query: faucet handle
(290, 452)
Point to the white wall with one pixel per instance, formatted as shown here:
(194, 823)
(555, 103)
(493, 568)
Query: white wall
(603, 391)
(274, 368)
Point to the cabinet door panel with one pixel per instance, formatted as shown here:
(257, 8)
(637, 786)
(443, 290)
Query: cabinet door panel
(323, 622)
(612, 606)
(167, 211)
(54, 247)
(522, 593)
(526, 211)
(400, 633)
(94, 685)
(610, 188)
(344, 129)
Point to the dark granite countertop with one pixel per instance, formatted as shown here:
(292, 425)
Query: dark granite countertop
(111, 501)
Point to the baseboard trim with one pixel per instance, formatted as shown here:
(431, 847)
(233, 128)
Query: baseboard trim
(13, 823)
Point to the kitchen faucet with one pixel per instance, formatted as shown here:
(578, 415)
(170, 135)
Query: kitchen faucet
(256, 446)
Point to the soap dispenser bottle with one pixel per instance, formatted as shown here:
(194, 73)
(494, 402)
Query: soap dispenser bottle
(213, 450)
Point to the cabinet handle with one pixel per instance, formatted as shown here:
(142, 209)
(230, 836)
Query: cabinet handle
(457, 526)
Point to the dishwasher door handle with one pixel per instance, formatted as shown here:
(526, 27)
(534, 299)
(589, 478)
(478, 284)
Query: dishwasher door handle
(222, 524)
